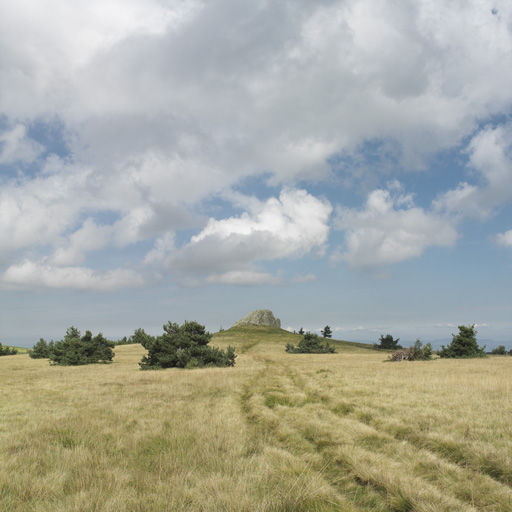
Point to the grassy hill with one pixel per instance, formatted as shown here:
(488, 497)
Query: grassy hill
(277, 432)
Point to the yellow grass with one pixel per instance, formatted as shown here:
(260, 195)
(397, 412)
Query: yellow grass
(277, 432)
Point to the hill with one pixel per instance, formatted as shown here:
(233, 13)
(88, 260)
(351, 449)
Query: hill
(245, 337)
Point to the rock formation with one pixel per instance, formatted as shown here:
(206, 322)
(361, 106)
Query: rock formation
(259, 317)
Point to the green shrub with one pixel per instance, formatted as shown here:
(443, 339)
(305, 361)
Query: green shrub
(310, 344)
(7, 351)
(500, 351)
(41, 349)
(184, 346)
(76, 350)
(463, 345)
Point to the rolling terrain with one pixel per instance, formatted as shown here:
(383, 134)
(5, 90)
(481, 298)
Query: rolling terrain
(277, 432)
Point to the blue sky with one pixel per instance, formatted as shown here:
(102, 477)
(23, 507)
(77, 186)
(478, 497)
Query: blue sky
(339, 162)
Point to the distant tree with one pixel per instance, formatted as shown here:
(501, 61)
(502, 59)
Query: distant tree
(75, 349)
(327, 333)
(310, 344)
(387, 343)
(184, 346)
(41, 349)
(463, 345)
(7, 351)
(301, 331)
(500, 351)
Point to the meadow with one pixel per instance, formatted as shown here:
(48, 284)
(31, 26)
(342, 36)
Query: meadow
(276, 432)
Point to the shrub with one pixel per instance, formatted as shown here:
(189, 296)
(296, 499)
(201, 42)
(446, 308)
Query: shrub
(387, 343)
(41, 349)
(417, 352)
(7, 351)
(463, 345)
(310, 344)
(76, 350)
(500, 351)
(184, 346)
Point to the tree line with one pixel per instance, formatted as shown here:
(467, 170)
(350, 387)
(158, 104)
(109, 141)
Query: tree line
(180, 346)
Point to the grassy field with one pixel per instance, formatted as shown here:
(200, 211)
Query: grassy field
(277, 432)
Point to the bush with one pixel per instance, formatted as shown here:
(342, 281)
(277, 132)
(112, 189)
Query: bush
(41, 349)
(7, 351)
(310, 344)
(463, 345)
(417, 352)
(500, 351)
(76, 350)
(184, 346)
(387, 343)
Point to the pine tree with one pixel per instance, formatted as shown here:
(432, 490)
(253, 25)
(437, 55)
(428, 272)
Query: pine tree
(184, 346)
(463, 345)
(327, 333)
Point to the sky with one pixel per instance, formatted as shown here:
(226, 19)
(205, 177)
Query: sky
(339, 162)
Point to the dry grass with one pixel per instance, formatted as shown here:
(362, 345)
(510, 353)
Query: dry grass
(278, 432)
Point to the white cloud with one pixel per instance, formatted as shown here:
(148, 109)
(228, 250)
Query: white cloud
(292, 226)
(90, 237)
(16, 147)
(504, 239)
(29, 274)
(490, 159)
(389, 229)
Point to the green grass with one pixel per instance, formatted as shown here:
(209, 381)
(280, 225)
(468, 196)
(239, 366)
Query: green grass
(277, 432)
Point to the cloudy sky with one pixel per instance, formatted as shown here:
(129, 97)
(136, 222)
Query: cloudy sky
(340, 162)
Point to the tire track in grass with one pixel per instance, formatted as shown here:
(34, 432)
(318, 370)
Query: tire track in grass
(289, 417)
(494, 493)
(457, 488)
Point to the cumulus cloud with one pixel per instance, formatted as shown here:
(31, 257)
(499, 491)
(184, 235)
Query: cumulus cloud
(29, 274)
(504, 239)
(389, 229)
(226, 250)
(490, 160)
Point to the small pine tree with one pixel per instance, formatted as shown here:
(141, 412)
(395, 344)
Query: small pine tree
(310, 344)
(463, 345)
(41, 349)
(327, 333)
(184, 346)
(301, 331)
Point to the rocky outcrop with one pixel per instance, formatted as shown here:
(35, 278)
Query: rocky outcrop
(259, 317)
